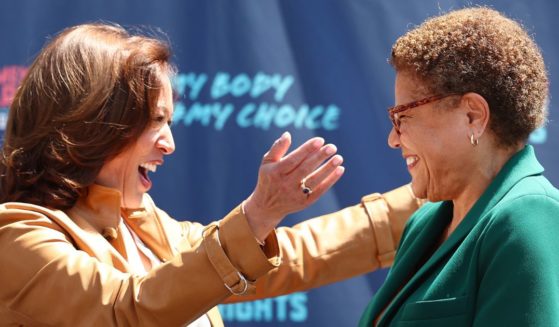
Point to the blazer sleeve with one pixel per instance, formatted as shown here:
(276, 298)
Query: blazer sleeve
(337, 246)
(519, 265)
(48, 281)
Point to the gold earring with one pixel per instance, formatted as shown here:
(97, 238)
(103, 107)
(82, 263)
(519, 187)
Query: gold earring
(473, 140)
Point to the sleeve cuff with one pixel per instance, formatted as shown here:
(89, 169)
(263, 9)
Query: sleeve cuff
(377, 211)
(235, 253)
(389, 213)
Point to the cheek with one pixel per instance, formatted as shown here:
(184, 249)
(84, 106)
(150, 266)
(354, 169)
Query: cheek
(113, 166)
(111, 173)
(445, 156)
(433, 150)
(146, 142)
(120, 164)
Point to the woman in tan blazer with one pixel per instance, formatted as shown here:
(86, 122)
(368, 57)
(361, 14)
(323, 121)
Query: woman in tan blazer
(84, 245)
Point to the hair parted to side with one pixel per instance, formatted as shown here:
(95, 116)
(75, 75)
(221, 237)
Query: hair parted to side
(87, 96)
(480, 50)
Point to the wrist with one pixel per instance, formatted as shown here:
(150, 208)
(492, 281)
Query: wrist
(260, 223)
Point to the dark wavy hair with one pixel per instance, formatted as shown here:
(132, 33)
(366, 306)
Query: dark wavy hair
(86, 97)
(480, 50)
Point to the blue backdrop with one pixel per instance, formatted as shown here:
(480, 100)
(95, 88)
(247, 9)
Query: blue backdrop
(249, 70)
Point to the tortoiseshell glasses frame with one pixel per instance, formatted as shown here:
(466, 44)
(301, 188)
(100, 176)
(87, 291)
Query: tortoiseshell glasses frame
(394, 111)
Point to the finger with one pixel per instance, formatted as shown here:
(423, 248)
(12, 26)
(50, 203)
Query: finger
(312, 162)
(278, 149)
(294, 159)
(316, 177)
(326, 183)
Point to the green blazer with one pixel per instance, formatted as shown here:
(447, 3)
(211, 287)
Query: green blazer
(500, 267)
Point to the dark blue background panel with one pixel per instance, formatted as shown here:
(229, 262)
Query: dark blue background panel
(250, 70)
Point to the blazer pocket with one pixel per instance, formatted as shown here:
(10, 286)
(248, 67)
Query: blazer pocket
(450, 310)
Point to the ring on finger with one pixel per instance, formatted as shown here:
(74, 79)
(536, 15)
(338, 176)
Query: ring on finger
(305, 189)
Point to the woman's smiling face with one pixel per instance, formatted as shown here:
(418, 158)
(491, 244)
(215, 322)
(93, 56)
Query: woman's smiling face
(128, 171)
(433, 140)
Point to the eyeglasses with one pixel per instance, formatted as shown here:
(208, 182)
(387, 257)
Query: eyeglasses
(394, 111)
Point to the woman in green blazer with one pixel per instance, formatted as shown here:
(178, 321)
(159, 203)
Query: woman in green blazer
(471, 86)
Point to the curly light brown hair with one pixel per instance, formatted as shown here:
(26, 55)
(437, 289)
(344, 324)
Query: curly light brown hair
(480, 50)
(87, 96)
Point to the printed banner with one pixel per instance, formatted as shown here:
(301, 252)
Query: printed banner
(250, 70)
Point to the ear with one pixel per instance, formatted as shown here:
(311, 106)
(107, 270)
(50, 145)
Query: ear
(477, 111)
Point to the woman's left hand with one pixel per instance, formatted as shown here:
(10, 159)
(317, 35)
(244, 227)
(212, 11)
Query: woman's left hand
(279, 190)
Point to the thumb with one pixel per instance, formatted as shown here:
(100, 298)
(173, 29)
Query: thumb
(278, 149)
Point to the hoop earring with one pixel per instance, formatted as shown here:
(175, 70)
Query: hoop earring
(473, 140)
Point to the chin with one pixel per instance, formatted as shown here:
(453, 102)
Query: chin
(423, 193)
(419, 191)
(432, 196)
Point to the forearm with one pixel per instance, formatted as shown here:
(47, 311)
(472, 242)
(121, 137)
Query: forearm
(337, 246)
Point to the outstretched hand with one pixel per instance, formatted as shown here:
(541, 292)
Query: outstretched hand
(279, 188)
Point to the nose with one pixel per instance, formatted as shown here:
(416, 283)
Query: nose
(393, 139)
(166, 143)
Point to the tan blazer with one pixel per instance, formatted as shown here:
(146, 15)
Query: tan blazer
(69, 268)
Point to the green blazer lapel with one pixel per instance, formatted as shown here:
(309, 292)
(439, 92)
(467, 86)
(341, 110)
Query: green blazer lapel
(414, 250)
(521, 165)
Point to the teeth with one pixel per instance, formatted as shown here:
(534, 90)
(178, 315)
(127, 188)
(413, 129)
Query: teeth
(411, 160)
(149, 167)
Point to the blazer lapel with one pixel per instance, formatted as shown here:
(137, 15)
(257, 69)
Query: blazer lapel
(147, 225)
(400, 281)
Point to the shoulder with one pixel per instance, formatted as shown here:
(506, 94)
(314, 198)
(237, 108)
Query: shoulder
(532, 186)
(525, 223)
(532, 201)
(25, 225)
(19, 211)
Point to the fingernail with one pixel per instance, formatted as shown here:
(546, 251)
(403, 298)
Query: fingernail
(337, 160)
(283, 137)
(318, 142)
(330, 149)
(340, 170)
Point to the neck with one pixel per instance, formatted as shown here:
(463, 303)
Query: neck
(484, 172)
